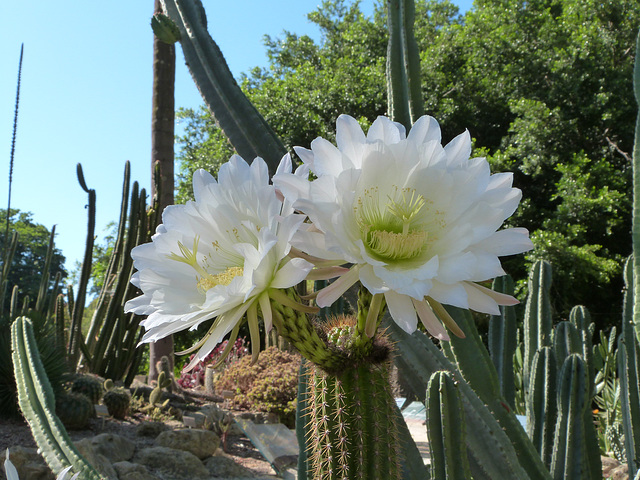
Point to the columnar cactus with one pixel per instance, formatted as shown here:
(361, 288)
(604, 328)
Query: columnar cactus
(37, 403)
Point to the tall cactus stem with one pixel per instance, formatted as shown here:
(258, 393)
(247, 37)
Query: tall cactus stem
(537, 317)
(241, 122)
(541, 403)
(503, 341)
(570, 459)
(37, 402)
(352, 424)
(636, 194)
(446, 428)
(404, 86)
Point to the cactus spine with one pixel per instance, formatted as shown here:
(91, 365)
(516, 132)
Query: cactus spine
(37, 403)
(446, 428)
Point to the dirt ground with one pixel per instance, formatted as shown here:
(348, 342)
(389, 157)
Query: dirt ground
(16, 432)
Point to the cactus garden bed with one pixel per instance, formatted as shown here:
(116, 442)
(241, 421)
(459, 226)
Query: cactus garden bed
(137, 428)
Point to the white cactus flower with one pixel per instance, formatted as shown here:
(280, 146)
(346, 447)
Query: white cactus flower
(418, 222)
(219, 257)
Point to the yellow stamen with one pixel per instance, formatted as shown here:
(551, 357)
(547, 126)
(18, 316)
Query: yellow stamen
(209, 281)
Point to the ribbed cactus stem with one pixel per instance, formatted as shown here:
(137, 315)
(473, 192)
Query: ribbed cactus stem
(541, 403)
(446, 428)
(537, 317)
(353, 430)
(37, 402)
(503, 341)
(404, 85)
(571, 456)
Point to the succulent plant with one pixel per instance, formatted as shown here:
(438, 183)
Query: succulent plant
(90, 386)
(74, 410)
(116, 399)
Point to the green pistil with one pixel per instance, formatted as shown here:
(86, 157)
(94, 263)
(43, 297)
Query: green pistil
(393, 231)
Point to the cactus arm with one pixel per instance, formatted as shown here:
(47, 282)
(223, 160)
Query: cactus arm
(541, 403)
(37, 401)
(537, 316)
(493, 452)
(75, 334)
(566, 341)
(477, 369)
(247, 130)
(503, 341)
(446, 428)
(570, 458)
(404, 91)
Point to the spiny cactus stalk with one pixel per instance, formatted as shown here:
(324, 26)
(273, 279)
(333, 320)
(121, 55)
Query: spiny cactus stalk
(541, 403)
(163, 383)
(353, 431)
(37, 402)
(446, 428)
(294, 326)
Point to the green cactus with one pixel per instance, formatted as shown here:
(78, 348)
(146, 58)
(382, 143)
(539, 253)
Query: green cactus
(566, 341)
(238, 118)
(503, 341)
(492, 453)
(116, 399)
(74, 410)
(404, 88)
(446, 428)
(353, 431)
(541, 403)
(155, 397)
(90, 386)
(37, 402)
(537, 316)
(165, 29)
(570, 458)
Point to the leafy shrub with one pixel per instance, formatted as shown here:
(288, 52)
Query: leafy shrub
(270, 385)
(195, 377)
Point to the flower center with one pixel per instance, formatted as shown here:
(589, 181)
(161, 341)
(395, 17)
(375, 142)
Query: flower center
(224, 278)
(393, 230)
(205, 280)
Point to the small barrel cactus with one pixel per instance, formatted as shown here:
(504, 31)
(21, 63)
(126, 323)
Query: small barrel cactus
(90, 386)
(116, 399)
(74, 410)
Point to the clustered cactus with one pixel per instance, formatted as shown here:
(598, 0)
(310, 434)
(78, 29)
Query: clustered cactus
(116, 399)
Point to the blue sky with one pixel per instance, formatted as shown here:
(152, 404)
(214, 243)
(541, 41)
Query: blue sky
(86, 97)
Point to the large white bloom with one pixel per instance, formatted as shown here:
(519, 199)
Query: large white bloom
(221, 256)
(418, 221)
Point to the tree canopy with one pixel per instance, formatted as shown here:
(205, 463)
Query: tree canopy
(31, 252)
(543, 86)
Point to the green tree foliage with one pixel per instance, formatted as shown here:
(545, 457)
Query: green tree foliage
(543, 86)
(29, 259)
